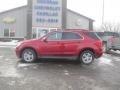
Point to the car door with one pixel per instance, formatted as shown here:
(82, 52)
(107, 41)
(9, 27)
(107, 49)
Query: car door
(70, 42)
(116, 43)
(51, 46)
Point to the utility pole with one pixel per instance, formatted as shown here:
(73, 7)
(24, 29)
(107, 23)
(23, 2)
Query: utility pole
(103, 11)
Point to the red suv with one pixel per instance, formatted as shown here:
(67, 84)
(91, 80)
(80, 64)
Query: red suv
(80, 45)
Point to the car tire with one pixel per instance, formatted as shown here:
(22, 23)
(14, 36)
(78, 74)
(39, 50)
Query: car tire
(28, 56)
(87, 57)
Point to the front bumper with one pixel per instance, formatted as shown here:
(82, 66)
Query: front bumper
(17, 50)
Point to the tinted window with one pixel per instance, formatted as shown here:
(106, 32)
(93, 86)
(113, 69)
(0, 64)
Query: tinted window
(55, 36)
(70, 36)
(92, 35)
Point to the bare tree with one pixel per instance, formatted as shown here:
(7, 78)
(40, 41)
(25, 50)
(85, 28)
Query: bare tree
(117, 28)
(110, 27)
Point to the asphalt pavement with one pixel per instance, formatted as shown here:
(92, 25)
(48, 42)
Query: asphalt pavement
(102, 74)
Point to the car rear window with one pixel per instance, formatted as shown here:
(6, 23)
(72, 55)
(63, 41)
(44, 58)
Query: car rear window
(92, 35)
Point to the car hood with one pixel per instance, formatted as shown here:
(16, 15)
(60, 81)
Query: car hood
(29, 41)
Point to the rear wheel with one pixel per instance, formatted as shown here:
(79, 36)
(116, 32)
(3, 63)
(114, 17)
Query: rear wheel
(29, 56)
(87, 57)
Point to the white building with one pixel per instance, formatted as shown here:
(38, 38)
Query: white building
(40, 17)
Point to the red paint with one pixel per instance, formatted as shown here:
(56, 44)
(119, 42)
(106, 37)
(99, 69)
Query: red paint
(62, 47)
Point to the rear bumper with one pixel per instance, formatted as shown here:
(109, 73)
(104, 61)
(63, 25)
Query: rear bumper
(99, 53)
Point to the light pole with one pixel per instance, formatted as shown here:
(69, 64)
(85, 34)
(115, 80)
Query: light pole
(103, 11)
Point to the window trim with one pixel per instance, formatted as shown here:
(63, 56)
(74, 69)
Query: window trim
(62, 33)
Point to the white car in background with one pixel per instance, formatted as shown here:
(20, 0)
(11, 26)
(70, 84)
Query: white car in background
(111, 40)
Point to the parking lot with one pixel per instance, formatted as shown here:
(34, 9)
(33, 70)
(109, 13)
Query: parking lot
(103, 74)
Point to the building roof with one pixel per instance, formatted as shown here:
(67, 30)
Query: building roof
(14, 9)
(26, 7)
(80, 14)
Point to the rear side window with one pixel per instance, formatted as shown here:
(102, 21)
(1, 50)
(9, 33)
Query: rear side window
(70, 36)
(92, 35)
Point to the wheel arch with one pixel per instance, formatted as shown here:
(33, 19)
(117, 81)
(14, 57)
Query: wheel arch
(87, 49)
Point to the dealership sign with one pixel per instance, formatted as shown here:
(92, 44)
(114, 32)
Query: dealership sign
(47, 13)
(8, 20)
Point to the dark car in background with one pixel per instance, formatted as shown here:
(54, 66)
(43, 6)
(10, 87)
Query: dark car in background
(80, 45)
(111, 40)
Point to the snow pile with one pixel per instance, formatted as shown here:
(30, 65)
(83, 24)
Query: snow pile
(7, 44)
(117, 51)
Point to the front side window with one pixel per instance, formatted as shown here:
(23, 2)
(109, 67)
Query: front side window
(55, 36)
(70, 36)
(43, 32)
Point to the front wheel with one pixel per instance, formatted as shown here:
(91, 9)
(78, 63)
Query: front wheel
(87, 57)
(29, 56)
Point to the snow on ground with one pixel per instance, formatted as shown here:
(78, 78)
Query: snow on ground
(105, 61)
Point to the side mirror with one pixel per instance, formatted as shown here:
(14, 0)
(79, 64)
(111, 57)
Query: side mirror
(45, 40)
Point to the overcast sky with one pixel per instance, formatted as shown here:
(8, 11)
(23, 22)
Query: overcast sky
(89, 8)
